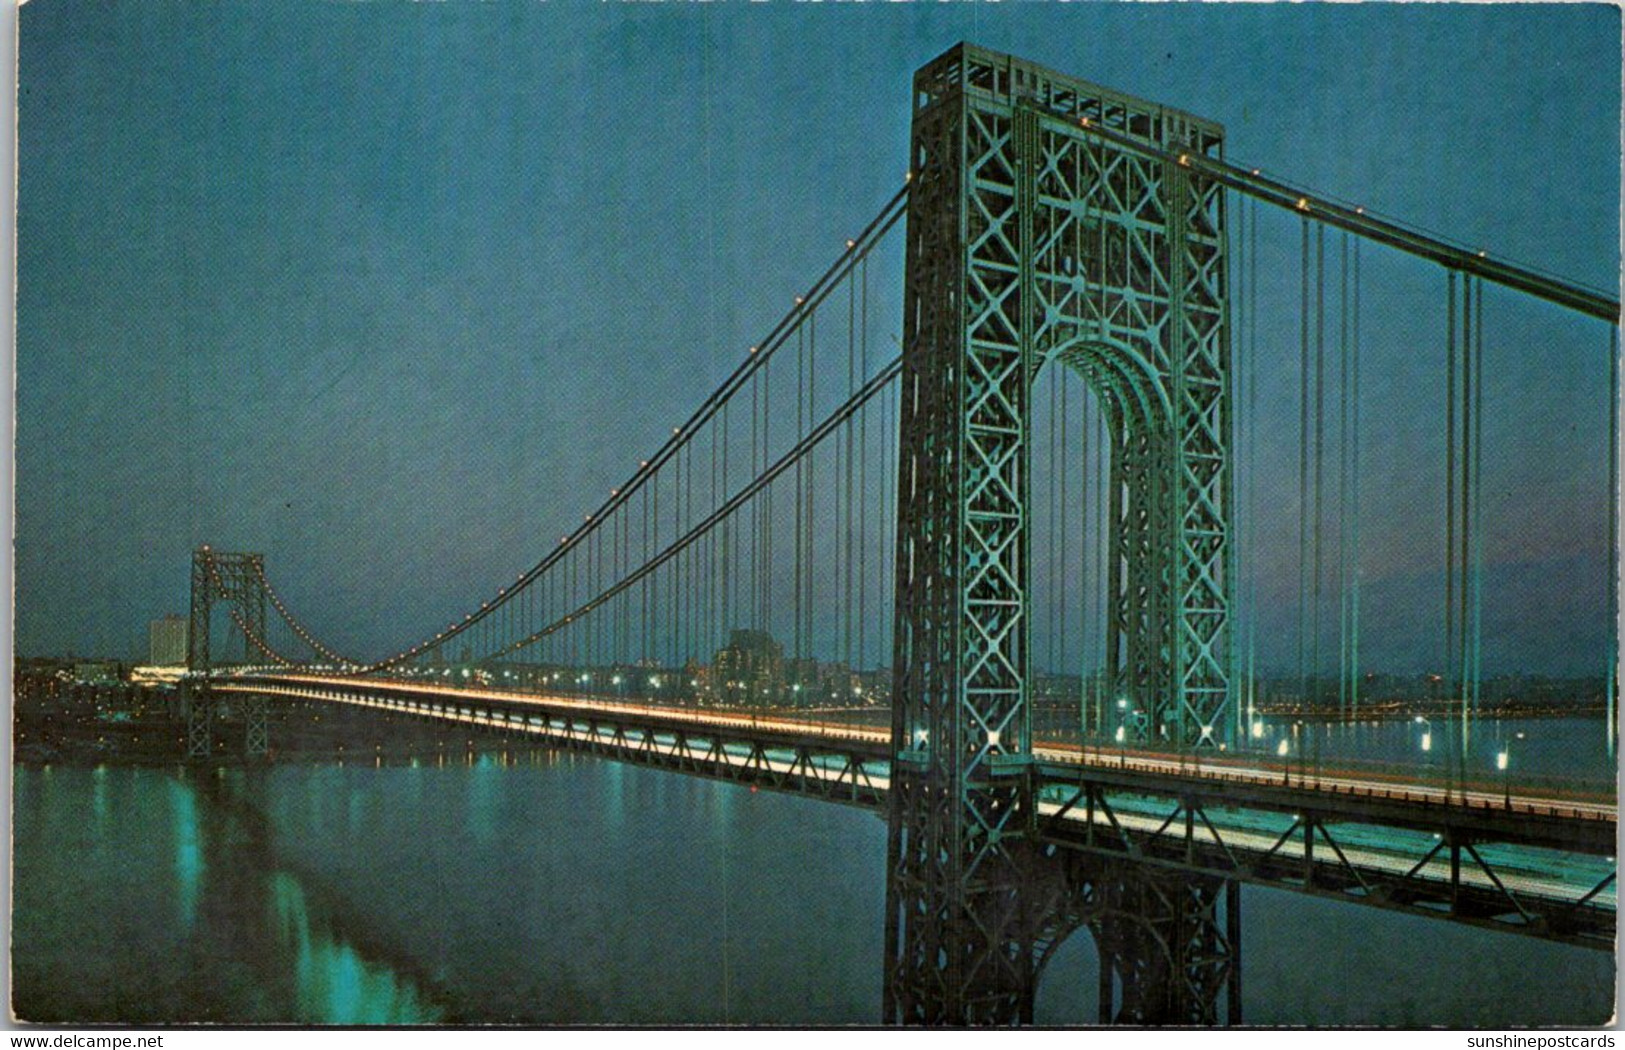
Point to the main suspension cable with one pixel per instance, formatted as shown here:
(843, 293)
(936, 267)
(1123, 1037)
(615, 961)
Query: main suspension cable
(804, 308)
(802, 448)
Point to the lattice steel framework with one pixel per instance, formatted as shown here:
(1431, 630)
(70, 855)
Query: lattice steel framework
(1032, 241)
(1170, 947)
(240, 580)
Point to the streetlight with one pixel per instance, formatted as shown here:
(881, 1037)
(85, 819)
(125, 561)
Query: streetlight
(1296, 727)
(1427, 733)
(1503, 762)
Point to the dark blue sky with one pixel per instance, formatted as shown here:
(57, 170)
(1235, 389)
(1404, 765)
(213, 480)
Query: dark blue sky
(382, 289)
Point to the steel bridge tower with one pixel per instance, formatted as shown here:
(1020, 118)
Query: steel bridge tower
(1033, 242)
(240, 580)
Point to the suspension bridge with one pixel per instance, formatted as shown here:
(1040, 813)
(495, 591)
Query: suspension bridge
(995, 574)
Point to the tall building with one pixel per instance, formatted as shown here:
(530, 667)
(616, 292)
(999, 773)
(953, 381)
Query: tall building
(167, 640)
(749, 669)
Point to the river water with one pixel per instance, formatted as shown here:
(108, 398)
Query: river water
(540, 887)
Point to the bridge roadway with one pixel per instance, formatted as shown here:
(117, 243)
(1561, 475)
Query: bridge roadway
(1528, 863)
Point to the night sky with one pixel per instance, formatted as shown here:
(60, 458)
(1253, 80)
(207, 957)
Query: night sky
(384, 290)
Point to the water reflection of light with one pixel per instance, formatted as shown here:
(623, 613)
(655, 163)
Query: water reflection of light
(615, 796)
(355, 811)
(334, 984)
(483, 787)
(98, 800)
(183, 821)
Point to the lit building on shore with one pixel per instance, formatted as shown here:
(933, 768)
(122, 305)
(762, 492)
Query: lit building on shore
(749, 669)
(167, 641)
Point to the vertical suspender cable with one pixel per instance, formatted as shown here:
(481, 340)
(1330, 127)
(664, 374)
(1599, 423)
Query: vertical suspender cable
(1611, 577)
(1478, 496)
(1465, 560)
(674, 589)
(1343, 481)
(1106, 488)
(1252, 466)
(1240, 527)
(847, 560)
(1320, 446)
(1103, 594)
(1354, 497)
(1303, 467)
(725, 613)
(595, 625)
(1450, 508)
(812, 459)
(765, 600)
(643, 531)
(674, 597)
(755, 558)
(575, 632)
(585, 579)
(889, 468)
(615, 573)
(805, 580)
(691, 575)
(659, 625)
(690, 581)
(863, 474)
(1050, 527)
(801, 558)
(715, 573)
(758, 523)
(623, 559)
(1085, 583)
(691, 561)
(1060, 525)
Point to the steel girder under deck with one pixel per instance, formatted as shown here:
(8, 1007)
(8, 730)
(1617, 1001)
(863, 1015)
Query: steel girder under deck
(1031, 242)
(1437, 860)
(851, 770)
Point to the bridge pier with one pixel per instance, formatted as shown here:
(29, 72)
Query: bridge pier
(197, 708)
(1169, 941)
(1170, 947)
(200, 710)
(256, 728)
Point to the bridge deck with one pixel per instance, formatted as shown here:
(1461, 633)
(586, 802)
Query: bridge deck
(1536, 865)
